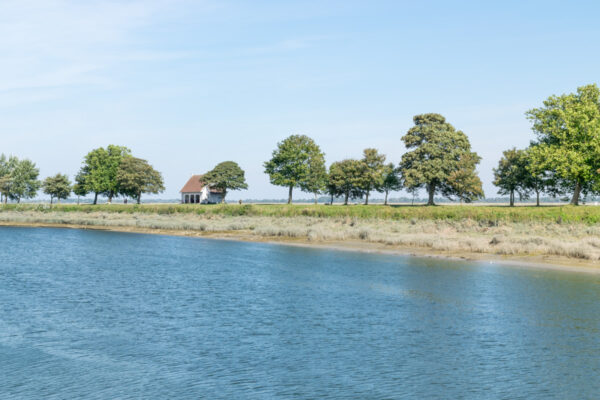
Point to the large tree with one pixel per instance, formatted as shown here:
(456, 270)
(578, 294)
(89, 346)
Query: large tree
(226, 176)
(346, 179)
(391, 180)
(568, 134)
(135, 176)
(57, 186)
(435, 150)
(373, 172)
(99, 170)
(24, 182)
(292, 161)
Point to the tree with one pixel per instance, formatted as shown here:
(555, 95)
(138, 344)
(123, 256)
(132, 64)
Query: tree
(7, 166)
(436, 148)
(23, 182)
(57, 186)
(80, 188)
(99, 170)
(568, 134)
(391, 180)
(135, 176)
(292, 161)
(463, 182)
(226, 176)
(346, 178)
(373, 172)
(315, 181)
(512, 175)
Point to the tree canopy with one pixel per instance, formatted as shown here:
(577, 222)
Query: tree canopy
(346, 179)
(99, 171)
(18, 178)
(463, 182)
(226, 176)
(373, 172)
(292, 162)
(391, 180)
(57, 186)
(435, 152)
(135, 176)
(568, 134)
(512, 175)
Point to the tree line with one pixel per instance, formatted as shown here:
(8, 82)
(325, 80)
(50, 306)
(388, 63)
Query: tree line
(110, 172)
(439, 160)
(563, 160)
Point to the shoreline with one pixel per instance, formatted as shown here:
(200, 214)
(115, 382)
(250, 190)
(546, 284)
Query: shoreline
(552, 263)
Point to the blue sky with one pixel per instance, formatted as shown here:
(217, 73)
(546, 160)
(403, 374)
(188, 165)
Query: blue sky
(187, 84)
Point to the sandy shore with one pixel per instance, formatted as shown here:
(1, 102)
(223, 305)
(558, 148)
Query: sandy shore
(530, 261)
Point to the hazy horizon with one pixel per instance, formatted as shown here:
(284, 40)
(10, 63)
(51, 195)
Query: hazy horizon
(188, 84)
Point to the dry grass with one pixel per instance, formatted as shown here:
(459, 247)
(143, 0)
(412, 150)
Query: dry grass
(575, 241)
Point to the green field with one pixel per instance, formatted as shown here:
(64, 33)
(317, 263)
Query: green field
(485, 214)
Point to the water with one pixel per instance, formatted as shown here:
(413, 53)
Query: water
(105, 315)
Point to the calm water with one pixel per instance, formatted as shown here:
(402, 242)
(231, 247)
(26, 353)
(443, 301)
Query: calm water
(113, 315)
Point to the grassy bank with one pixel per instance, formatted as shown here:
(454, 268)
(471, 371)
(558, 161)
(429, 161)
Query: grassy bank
(491, 215)
(556, 233)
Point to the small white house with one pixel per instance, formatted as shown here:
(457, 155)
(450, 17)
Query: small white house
(196, 192)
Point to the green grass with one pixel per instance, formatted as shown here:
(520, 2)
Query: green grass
(491, 215)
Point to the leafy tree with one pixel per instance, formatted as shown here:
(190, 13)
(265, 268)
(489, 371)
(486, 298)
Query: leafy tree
(23, 182)
(463, 182)
(135, 176)
(373, 172)
(436, 148)
(568, 133)
(99, 170)
(7, 166)
(57, 186)
(226, 176)
(346, 178)
(80, 188)
(316, 180)
(512, 175)
(292, 161)
(391, 180)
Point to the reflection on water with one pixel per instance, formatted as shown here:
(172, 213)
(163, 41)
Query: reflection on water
(113, 315)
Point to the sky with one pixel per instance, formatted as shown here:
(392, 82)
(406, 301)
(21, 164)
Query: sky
(187, 84)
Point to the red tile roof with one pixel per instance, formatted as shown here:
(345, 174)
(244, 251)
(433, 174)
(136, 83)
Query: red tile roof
(193, 185)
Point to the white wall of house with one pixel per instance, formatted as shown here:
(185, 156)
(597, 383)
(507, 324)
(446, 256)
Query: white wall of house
(203, 197)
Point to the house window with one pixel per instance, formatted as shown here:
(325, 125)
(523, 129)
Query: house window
(187, 198)
(197, 198)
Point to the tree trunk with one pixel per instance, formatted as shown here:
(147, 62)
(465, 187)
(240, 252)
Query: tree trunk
(331, 198)
(575, 199)
(512, 198)
(224, 195)
(386, 196)
(139, 198)
(77, 200)
(316, 199)
(431, 189)
(537, 198)
(50, 200)
(346, 195)
(110, 196)
(367, 199)
(290, 195)
(95, 198)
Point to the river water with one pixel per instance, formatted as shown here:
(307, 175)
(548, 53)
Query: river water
(105, 315)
